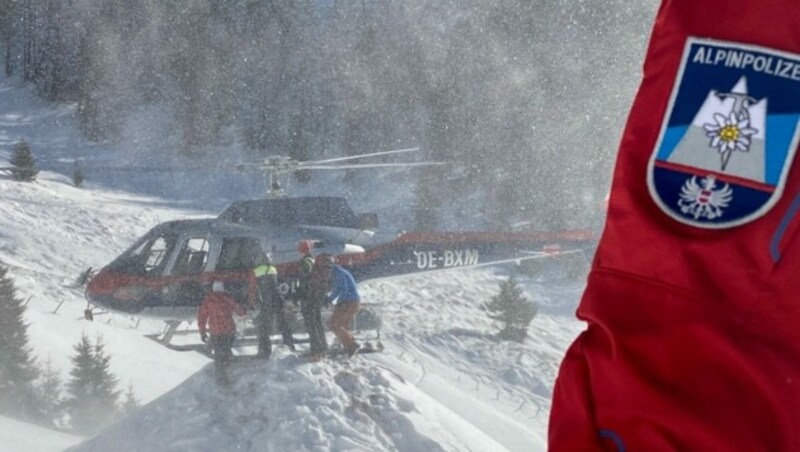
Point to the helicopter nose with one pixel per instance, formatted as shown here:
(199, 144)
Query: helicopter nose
(116, 292)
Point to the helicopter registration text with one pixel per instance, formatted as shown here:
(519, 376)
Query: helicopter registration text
(447, 258)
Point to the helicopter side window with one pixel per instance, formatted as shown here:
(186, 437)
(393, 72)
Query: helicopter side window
(192, 258)
(238, 253)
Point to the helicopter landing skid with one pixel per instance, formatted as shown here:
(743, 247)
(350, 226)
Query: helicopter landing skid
(366, 321)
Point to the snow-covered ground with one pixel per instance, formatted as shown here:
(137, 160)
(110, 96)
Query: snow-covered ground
(443, 382)
(16, 436)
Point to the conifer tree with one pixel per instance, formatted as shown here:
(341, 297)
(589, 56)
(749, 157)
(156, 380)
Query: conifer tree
(131, 403)
(92, 388)
(17, 368)
(80, 386)
(50, 394)
(23, 162)
(106, 382)
(512, 309)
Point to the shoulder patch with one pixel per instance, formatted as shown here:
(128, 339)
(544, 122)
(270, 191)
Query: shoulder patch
(729, 135)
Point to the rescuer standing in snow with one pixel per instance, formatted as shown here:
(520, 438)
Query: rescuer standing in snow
(311, 290)
(270, 303)
(345, 293)
(216, 315)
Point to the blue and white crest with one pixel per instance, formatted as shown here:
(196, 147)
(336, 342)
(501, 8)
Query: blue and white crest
(729, 136)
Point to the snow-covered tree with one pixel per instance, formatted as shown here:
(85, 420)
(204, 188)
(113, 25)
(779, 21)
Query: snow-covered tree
(513, 310)
(24, 166)
(17, 368)
(92, 389)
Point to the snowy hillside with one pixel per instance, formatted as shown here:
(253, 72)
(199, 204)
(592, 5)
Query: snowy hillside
(287, 404)
(443, 382)
(18, 436)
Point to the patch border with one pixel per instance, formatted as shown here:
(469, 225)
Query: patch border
(788, 163)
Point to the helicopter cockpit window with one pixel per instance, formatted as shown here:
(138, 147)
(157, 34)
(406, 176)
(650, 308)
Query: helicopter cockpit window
(238, 253)
(192, 258)
(148, 258)
(157, 254)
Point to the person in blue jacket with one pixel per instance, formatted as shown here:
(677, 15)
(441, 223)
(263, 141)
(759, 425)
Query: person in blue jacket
(345, 293)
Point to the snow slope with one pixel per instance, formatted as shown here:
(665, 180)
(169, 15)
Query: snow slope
(16, 436)
(287, 404)
(443, 383)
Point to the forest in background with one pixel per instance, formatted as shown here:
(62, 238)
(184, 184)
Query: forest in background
(525, 99)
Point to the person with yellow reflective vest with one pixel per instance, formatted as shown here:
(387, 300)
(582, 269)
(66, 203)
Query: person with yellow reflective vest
(270, 303)
(311, 294)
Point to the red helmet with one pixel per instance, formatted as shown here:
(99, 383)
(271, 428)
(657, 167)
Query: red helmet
(304, 246)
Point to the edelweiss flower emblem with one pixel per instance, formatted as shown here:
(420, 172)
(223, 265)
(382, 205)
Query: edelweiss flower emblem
(730, 133)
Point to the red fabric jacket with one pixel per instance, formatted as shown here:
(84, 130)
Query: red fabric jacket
(217, 313)
(693, 335)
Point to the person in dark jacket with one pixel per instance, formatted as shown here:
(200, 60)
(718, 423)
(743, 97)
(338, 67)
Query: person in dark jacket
(315, 298)
(345, 293)
(215, 317)
(311, 289)
(270, 303)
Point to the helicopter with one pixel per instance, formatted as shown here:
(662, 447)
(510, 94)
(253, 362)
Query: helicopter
(165, 273)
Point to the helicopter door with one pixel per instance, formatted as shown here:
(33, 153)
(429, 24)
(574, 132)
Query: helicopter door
(187, 289)
(192, 258)
(237, 255)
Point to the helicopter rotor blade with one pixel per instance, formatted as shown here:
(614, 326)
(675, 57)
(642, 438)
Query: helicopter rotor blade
(266, 167)
(361, 156)
(368, 165)
(143, 169)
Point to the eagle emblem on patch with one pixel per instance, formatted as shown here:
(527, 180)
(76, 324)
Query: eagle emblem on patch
(729, 136)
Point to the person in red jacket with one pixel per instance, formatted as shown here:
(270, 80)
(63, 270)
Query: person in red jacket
(215, 316)
(693, 302)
